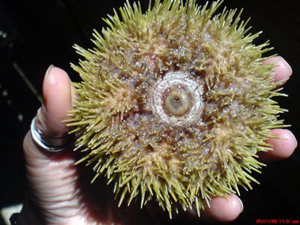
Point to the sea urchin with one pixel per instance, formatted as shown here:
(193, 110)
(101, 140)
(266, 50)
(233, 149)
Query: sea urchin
(175, 103)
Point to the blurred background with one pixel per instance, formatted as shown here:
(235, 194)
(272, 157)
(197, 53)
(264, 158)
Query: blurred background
(35, 34)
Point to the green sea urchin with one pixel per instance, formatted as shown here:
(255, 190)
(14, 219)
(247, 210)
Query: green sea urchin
(175, 103)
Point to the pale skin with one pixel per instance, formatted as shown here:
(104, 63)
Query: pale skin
(58, 195)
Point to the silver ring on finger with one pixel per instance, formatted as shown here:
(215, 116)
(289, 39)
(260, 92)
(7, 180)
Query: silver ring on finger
(49, 145)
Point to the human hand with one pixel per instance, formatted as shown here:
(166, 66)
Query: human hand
(61, 193)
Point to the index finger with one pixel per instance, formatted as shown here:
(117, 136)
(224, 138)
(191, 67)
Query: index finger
(282, 69)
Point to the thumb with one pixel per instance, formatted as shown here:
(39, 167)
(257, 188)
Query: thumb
(52, 176)
(56, 104)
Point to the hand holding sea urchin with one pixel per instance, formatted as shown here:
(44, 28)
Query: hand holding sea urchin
(175, 104)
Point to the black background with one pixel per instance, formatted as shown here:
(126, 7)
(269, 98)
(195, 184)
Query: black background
(40, 33)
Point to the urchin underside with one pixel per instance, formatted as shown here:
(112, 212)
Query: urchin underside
(174, 104)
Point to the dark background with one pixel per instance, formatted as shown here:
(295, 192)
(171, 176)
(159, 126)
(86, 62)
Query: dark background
(39, 33)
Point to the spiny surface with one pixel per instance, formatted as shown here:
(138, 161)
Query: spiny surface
(174, 104)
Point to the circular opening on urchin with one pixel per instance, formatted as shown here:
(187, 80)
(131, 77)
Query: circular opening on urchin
(176, 103)
(176, 99)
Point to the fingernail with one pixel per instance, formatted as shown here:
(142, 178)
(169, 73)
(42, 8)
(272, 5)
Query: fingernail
(47, 79)
(49, 68)
(286, 65)
(295, 140)
(241, 204)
